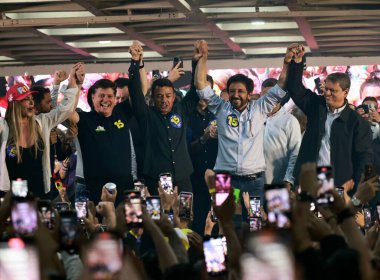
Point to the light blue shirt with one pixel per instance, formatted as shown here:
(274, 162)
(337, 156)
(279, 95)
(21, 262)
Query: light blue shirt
(240, 135)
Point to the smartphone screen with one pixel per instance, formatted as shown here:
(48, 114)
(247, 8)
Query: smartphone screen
(153, 206)
(62, 206)
(214, 255)
(24, 216)
(254, 202)
(185, 205)
(167, 182)
(222, 186)
(46, 213)
(254, 224)
(139, 185)
(277, 204)
(68, 231)
(103, 256)
(326, 183)
(378, 211)
(176, 60)
(19, 260)
(20, 188)
(367, 218)
(81, 208)
(133, 210)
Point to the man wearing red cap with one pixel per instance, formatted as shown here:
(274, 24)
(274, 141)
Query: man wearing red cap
(24, 137)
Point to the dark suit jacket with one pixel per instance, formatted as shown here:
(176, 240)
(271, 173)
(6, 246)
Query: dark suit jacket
(350, 138)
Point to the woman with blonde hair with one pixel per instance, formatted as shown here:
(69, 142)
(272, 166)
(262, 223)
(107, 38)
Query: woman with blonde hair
(25, 146)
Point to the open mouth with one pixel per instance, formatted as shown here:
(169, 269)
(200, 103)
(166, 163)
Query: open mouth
(105, 105)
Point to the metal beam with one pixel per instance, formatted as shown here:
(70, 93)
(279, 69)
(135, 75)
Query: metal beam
(18, 23)
(129, 31)
(304, 27)
(192, 10)
(60, 43)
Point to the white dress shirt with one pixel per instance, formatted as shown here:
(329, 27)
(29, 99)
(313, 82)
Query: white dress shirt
(324, 152)
(241, 135)
(282, 140)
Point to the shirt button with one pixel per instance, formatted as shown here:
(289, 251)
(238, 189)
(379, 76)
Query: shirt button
(170, 139)
(173, 151)
(205, 151)
(167, 127)
(173, 162)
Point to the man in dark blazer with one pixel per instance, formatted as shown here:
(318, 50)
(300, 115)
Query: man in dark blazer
(335, 135)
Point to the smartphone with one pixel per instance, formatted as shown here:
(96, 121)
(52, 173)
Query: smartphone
(317, 82)
(214, 218)
(268, 256)
(254, 202)
(19, 260)
(139, 185)
(254, 224)
(62, 206)
(176, 60)
(167, 182)
(24, 216)
(367, 218)
(222, 186)
(185, 205)
(47, 214)
(214, 255)
(326, 184)
(68, 230)
(277, 204)
(104, 255)
(20, 188)
(378, 211)
(81, 208)
(133, 208)
(156, 74)
(153, 207)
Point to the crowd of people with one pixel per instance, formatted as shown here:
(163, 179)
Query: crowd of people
(152, 185)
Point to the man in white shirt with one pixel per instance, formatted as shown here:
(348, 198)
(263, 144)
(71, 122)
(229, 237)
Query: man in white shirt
(282, 140)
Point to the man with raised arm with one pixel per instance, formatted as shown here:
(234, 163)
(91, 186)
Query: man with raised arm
(240, 124)
(163, 127)
(335, 135)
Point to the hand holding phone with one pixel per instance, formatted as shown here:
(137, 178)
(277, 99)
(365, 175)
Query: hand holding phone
(166, 182)
(153, 207)
(177, 60)
(185, 205)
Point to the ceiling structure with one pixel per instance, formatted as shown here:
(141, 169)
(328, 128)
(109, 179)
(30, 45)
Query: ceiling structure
(44, 32)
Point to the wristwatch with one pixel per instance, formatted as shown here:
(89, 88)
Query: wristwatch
(356, 202)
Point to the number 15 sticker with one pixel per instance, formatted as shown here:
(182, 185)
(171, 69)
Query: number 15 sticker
(232, 120)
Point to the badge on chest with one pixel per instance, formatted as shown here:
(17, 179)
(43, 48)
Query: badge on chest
(176, 121)
(232, 120)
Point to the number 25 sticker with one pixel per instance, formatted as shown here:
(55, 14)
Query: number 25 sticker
(232, 120)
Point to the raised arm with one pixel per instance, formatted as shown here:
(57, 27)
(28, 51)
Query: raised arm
(202, 86)
(58, 77)
(139, 107)
(190, 102)
(302, 97)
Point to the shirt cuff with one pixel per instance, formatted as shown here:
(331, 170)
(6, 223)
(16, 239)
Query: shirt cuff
(205, 92)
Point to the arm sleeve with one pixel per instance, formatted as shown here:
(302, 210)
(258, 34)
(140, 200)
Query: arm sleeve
(363, 152)
(54, 90)
(294, 143)
(64, 109)
(72, 265)
(214, 102)
(139, 107)
(133, 159)
(301, 96)
(270, 99)
(191, 99)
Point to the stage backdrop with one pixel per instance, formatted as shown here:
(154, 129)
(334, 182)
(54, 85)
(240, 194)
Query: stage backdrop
(365, 80)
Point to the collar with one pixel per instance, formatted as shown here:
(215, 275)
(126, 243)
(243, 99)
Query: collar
(280, 112)
(337, 111)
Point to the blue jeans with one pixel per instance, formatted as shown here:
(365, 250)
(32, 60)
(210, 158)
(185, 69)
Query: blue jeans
(255, 187)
